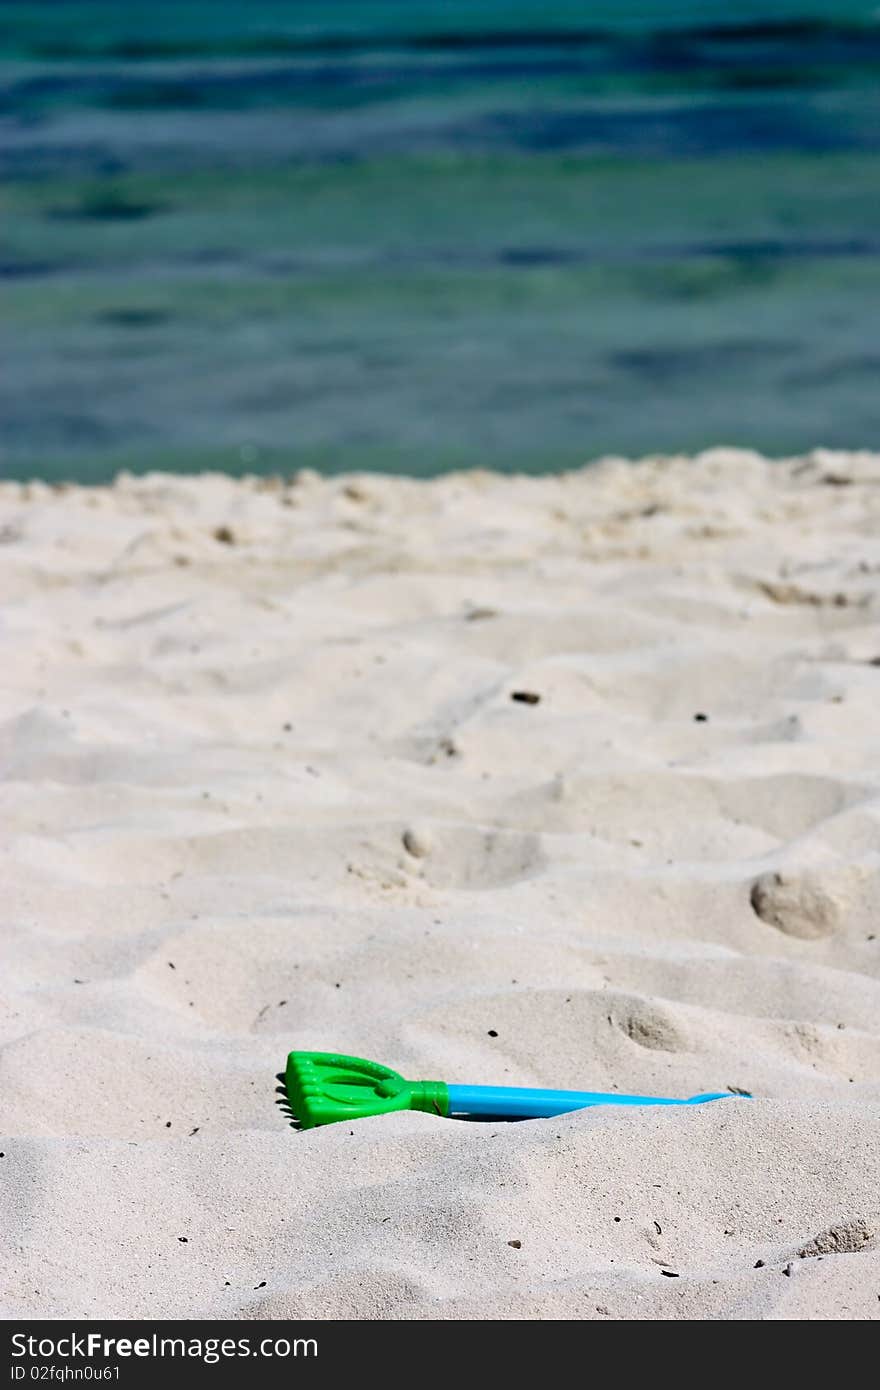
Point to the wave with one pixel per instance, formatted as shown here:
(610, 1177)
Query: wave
(728, 35)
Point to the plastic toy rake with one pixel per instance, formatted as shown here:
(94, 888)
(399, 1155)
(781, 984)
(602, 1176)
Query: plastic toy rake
(324, 1087)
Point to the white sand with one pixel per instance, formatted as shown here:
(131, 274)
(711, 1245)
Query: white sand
(211, 750)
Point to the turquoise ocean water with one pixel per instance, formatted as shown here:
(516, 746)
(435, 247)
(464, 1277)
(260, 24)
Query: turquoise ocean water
(413, 236)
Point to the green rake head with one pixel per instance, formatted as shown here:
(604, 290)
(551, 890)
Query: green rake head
(324, 1087)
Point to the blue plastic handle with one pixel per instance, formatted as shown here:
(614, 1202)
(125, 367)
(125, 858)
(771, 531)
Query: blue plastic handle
(522, 1103)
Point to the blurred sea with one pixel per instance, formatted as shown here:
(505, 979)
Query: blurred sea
(414, 236)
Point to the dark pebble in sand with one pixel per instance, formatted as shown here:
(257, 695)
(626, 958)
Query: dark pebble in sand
(492, 1033)
(515, 1244)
